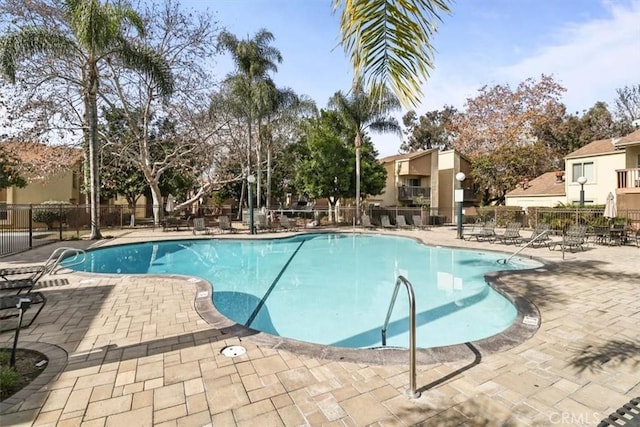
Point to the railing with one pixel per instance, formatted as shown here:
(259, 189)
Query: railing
(529, 243)
(410, 192)
(628, 178)
(413, 393)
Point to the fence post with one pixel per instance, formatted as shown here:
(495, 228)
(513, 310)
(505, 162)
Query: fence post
(60, 222)
(30, 226)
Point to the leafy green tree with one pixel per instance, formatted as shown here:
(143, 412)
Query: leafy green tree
(500, 171)
(326, 169)
(389, 42)
(9, 171)
(96, 36)
(364, 111)
(434, 129)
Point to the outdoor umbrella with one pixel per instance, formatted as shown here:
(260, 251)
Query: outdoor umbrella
(170, 204)
(610, 210)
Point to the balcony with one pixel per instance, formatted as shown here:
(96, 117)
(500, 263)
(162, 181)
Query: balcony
(409, 192)
(628, 180)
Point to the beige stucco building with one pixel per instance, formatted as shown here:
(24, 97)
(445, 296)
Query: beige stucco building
(609, 165)
(53, 173)
(425, 178)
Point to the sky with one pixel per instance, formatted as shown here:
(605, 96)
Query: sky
(591, 47)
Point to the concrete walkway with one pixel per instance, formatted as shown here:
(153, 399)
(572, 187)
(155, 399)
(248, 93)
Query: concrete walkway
(138, 353)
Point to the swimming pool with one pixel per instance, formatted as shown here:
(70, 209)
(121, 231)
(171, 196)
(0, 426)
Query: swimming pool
(333, 289)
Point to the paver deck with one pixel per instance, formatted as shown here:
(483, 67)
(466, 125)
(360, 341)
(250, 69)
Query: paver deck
(138, 353)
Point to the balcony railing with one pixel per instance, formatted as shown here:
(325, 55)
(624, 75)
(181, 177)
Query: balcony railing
(628, 178)
(409, 192)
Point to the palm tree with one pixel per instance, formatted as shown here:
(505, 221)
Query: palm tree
(255, 58)
(364, 111)
(97, 34)
(390, 42)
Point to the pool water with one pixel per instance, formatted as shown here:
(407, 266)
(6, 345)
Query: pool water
(333, 289)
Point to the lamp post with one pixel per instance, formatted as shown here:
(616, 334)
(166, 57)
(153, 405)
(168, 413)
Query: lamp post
(251, 179)
(582, 181)
(459, 198)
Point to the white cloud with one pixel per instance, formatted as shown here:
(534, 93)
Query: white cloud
(590, 59)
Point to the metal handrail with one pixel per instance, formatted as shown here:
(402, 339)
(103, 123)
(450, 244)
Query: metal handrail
(413, 393)
(60, 254)
(506, 260)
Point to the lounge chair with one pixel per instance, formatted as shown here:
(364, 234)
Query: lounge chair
(510, 235)
(366, 221)
(486, 232)
(262, 224)
(575, 237)
(539, 237)
(286, 224)
(199, 225)
(401, 222)
(385, 223)
(225, 224)
(417, 222)
(12, 305)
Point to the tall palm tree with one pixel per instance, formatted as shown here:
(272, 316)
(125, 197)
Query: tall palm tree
(255, 58)
(97, 34)
(365, 111)
(389, 42)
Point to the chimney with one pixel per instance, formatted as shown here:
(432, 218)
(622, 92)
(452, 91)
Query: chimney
(559, 177)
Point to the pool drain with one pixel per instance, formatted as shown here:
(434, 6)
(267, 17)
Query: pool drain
(233, 351)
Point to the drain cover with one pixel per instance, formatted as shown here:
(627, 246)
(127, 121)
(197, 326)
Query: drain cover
(233, 351)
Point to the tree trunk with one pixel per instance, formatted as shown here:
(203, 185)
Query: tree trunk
(259, 168)
(156, 197)
(94, 172)
(358, 145)
(269, 175)
(241, 201)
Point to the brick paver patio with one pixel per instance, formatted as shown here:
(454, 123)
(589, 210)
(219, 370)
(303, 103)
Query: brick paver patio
(138, 353)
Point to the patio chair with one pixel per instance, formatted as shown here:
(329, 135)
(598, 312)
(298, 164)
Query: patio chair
(510, 235)
(486, 232)
(288, 225)
(401, 222)
(575, 237)
(417, 222)
(199, 225)
(366, 221)
(225, 224)
(384, 221)
(262, 224)
(539, 237)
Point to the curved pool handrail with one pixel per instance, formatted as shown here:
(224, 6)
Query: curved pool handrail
(413, 393)
(62, 253)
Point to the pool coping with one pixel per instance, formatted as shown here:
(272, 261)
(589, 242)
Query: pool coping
(523, 328)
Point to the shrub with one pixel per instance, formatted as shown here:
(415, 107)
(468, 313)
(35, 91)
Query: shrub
(49, 215)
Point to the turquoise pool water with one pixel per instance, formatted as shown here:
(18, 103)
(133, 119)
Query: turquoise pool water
(333, 288)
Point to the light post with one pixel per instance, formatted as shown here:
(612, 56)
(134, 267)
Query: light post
(582, 181)
(459, 198)
(251, 179)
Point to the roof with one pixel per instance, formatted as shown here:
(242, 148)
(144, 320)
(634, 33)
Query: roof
(407, 156)
(40, 161)
(595, 148)
(631, 139)
(606, 146)
(545, 185)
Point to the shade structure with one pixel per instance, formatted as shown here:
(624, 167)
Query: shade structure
(170, 203)
(610, 210)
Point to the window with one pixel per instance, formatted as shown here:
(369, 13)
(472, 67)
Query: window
(583, 169)
(414, 182)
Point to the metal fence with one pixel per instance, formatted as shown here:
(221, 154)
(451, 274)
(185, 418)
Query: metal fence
(25, 226)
